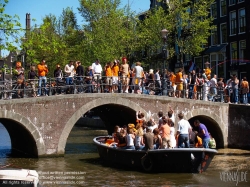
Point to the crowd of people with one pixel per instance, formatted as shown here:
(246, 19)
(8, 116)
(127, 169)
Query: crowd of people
(161, 134)
(116, 77)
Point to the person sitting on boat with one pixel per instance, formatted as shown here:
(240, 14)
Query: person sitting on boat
(139, 144)
(115, 134)
(148, 139)
(172, 140)
(131, 126)
(197, 140)
(212, 143)
(130, 137)
(157, 139)
(165, 133)
(122, 139)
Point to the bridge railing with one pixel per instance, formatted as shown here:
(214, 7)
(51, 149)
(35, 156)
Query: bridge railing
(11, 88)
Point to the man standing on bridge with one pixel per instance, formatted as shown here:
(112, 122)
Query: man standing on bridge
(203, 133)
(42, 72)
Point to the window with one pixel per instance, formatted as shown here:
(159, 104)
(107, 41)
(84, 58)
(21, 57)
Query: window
(233, 24)
(233, 52)
(214, 37)
(242, 52)
(213, 63)
(232, 2)
(241, 1)
(198, 62)
(214, 10)
(242, 21)
(223, 8)
(221, 65)
(223, 33)
(206, 58)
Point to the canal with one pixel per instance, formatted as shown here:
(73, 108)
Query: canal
(81, 166)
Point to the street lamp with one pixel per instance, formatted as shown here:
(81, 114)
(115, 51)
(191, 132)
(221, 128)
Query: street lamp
(164, 34)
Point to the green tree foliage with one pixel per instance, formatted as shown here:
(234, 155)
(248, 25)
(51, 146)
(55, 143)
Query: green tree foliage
(148, 31)
(10, 29)
(192, 24)
(108, 30)
(45, 42)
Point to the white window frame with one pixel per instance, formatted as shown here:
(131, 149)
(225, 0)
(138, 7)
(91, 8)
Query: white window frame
(239, 20)
(221, 33)
(235, 23)
(240, 1)
(232, 62)
(230, 4)
(216, 11)
(221, 8)
(212, 37)
(240, 52)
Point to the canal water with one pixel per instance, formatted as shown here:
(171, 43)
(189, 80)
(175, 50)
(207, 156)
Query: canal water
(81, 166)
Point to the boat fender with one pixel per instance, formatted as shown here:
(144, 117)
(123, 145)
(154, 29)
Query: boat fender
(147, 163)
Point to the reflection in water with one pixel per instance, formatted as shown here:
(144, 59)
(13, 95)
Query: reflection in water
(82, 157)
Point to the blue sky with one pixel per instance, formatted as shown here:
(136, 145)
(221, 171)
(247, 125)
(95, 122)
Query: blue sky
(39, 8)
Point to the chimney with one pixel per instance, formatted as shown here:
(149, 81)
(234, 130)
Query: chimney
(27, 21)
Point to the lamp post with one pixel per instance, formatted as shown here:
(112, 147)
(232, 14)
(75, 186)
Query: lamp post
(164, 34)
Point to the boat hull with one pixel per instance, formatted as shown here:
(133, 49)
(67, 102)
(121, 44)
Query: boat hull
(178, 160)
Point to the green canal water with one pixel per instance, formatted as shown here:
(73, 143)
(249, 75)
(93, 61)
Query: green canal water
(81, 166)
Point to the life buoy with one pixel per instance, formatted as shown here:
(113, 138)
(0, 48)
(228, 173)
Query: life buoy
(147, 163)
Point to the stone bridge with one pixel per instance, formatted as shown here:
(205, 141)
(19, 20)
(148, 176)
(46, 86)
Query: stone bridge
(39, 127)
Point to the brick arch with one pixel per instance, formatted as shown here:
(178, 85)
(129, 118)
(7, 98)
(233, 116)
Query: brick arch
(25, 126)
(214, 123)
(88, 106)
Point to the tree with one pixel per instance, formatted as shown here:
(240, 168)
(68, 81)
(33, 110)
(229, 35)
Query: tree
(10, 28)
(192, 25)
(45, 42)
(108, 30)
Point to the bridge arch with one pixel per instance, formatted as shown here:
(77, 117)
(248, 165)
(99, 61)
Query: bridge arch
(24, 135)
(212, 121)
(88, 106)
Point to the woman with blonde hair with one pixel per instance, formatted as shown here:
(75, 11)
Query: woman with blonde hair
(139, 144)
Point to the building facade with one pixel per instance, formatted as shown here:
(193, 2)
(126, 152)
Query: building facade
(227, 46)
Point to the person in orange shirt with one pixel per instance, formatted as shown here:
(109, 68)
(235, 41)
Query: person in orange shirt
(108, 73)
(42, 72)
(179, 83)
(172, 79)
(115, 72)
(197, 140)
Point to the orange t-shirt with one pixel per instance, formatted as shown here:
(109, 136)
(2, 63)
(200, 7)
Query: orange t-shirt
(178, 78)
(108, 72)
(115, 70)
(42, 70)
(172, 79)
(199, 143)
(244, 84)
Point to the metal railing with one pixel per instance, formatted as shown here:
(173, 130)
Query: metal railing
(11, 89)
